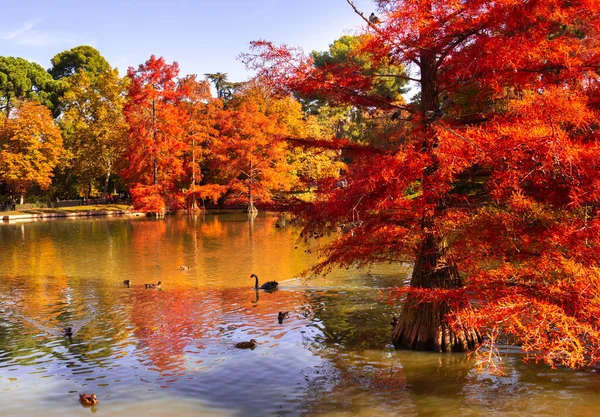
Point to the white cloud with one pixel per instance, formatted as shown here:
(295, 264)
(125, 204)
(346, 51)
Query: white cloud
(27, 34)
(26, 27)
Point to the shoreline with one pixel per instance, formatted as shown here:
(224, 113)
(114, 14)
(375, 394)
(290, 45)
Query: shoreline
(49, 214)
(26, 217)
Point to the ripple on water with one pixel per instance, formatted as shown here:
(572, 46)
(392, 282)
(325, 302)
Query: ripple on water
(171, 352)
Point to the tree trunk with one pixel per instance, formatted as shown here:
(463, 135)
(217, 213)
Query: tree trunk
(155, 153)
(194, 205)
(423, 326)
(251, 208)
(106, 183)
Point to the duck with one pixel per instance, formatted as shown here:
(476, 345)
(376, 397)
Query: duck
(282, 315)
(127, 283)
(67, 332)
(184, 268)
(151, 286)
(247, 345)
(270, 285)
(88, 399)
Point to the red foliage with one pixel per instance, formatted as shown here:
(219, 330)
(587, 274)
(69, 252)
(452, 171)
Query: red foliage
(156, 135)
(499, 163)
(201, 113)
(249, 153)
(148, 198)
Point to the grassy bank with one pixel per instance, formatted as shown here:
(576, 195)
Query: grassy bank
(74, 209)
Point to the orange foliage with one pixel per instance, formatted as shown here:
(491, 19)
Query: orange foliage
(30, 145)
(201, 112)
(211, 192)
(250, 153)
(498, 162)
(148, 198)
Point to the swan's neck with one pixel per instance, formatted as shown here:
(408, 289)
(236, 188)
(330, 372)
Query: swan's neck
(256, 285)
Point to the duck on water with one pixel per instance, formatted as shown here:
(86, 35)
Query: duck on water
(247, 345)
(88, 399)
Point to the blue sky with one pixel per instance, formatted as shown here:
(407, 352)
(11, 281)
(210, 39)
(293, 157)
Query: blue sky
(202, 36)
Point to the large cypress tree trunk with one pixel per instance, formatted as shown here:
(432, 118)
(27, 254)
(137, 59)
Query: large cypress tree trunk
(423, 326)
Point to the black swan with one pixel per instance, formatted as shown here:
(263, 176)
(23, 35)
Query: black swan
(271, 285)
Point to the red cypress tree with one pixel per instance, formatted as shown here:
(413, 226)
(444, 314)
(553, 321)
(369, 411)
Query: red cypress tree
(201, 112)
(156, 135)
(249, 153)
(492, 189)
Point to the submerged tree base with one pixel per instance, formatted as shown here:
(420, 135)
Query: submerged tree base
(156, 214)
(425, 325)
(251, 209)
(425, 328)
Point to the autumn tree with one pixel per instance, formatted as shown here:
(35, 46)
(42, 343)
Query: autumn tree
(200, 115)
(94, 125)
(250, 155)
(312, 164)
(24, 80)
(492, 189)
(155, 139)
(30, 145)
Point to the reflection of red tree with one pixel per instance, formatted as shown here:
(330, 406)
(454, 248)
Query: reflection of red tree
(170, 321)
(146, 234)
(166, 322)
(258, 310)
(212, 227)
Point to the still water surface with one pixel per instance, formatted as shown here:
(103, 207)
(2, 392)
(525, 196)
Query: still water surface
(172, 352)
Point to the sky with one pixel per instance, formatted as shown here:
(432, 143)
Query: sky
(203, 36)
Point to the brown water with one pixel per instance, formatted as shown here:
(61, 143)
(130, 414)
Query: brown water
(171, 352)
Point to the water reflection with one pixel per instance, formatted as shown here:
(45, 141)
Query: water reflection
(172, 352)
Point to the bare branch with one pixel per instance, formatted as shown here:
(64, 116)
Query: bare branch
(376, 29)
(404, 77)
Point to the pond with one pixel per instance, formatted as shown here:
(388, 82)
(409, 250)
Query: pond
(171, 352)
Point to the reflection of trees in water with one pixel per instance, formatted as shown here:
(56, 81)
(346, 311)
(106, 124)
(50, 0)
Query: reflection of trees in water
(173, 323)
(359, 375)
(436, 379)
(352, 318)
(166, 323)
(40, 306)
(358, 385)
(350, 331)
(362, 374)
